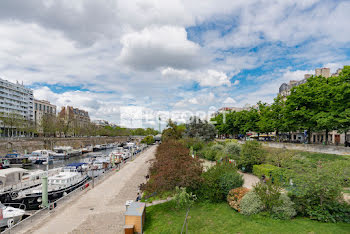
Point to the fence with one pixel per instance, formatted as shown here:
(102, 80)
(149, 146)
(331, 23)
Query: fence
(48, 211)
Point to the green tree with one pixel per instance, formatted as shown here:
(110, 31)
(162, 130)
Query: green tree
(196, 128)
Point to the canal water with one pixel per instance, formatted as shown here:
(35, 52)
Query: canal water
(61, 163)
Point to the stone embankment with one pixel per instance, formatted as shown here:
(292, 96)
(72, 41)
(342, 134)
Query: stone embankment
(327, 149)
(21, 145)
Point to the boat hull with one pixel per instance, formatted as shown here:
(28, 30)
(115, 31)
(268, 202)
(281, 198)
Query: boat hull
(33, 201)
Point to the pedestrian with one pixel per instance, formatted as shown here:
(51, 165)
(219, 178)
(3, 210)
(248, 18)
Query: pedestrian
(138, 198)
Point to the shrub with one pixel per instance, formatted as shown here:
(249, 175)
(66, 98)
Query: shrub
(212, 153)
(252, 154)
(232, 150)
(264, 169)
(182, 198)
(330, 212)
(173, 166)
(251, 204)
(269, 194)
(286, 208)
(196, 143)
(230, 180)
(149, 140)
(235, 196)
(217, 181)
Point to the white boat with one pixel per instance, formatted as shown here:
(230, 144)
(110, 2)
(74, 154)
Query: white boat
(41, 156)
(14, 180)
(67, 151)
(87, 149)
(59, 185)
(10, 216)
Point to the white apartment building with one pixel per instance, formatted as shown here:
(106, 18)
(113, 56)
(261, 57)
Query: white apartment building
(16, 98)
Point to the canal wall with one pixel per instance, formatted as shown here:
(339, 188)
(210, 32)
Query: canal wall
(21, 145)
(327, 149)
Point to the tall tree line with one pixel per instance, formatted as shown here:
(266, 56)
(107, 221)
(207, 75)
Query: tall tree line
(320, 104)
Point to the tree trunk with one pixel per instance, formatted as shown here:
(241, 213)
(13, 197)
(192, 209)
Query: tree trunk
(326, 138)
(309, 134)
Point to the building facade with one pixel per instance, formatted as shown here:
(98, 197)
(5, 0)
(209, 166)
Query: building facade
(42, 107)
(74, 116)
(16, 99)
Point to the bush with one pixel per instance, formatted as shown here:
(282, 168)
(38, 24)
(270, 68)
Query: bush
(173, 166)
(276, 174)
(183, 199)
(264, 169)
(230, 180)
(252, 154)
(232, 150)
(251, 204)
(269, 195)
(330, 212)
(286, 208)
(218, 181)
(212, 152)
(149, 140)
(235, 196)
(196, 143)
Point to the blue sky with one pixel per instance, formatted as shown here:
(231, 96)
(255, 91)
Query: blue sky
(172, 58)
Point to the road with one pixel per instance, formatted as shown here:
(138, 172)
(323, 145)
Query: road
(100, 210)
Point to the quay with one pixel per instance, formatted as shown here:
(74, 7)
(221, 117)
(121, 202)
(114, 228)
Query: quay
(99, 209)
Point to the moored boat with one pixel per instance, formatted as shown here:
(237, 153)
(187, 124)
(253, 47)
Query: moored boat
(10, 215)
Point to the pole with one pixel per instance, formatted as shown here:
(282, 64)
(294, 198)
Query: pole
(93, 178)
(44, 198)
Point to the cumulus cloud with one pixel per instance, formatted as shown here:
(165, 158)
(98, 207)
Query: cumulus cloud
(156, 47)
(204, 78)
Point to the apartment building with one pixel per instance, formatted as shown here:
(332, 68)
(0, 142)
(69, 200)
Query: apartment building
(42, 107)
(15, 98)
(74, 116)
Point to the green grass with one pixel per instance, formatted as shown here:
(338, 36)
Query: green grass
(220, 218)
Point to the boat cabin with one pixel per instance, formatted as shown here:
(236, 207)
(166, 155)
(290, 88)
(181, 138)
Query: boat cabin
(11, 176)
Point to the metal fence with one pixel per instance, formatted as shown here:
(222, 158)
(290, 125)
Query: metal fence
(47, 211)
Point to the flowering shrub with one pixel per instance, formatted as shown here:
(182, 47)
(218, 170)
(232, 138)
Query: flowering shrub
(235, 196)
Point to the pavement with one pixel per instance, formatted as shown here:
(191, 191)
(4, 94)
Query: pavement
(101, 209)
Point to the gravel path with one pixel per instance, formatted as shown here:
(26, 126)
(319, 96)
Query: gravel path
(249, 180)
(100, 210)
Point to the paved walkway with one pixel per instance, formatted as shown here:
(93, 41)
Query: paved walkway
(100, 210)
(249, 180)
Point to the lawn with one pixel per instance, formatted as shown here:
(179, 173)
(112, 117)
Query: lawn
(220, 218)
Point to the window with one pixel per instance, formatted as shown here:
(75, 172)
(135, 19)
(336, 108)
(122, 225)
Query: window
(39, 106)
(36, 106)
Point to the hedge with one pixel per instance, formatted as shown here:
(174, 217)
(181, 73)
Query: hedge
(274, 173)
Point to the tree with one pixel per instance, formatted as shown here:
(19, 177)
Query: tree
(266, 121)
(196, 128)
(173, 131)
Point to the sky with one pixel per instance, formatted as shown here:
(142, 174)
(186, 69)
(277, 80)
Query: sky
(130, 62)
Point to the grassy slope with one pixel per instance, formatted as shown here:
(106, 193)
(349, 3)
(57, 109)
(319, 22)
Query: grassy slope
(220, 218)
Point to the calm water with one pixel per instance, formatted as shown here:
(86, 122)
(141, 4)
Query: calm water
(61, 163)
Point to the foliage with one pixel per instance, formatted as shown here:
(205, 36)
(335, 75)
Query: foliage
(264, 169)
(252, 154)
(196, 128)
(320, 104)
(218, 181)
(286, 208)
(269, 194)
(173, 131)
(144, 132)
(149, 140)
(251, 204)
(173, 166)
(183, 199)
(196, 143)
(235, 196)
(213, 152)
(330, 212)
(232, 150)
(219, 218)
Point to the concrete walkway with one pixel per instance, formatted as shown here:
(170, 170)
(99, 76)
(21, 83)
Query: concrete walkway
(249, 180)
(100, 210)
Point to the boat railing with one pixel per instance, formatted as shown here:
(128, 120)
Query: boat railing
(21, 185)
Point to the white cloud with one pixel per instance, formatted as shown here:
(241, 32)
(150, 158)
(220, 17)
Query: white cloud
(155, 47)
(229, 100)
(204, 78)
